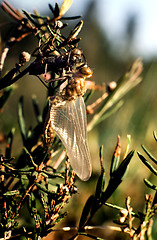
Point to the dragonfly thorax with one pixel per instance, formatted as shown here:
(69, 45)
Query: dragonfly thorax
(75, 88)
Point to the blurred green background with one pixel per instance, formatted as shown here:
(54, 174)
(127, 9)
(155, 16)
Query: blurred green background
(136, 117)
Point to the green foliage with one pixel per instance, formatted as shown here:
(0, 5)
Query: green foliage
(101, 196)
(4, 97)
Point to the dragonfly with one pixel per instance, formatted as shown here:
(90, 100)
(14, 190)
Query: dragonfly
(57, 62)
(67, 118)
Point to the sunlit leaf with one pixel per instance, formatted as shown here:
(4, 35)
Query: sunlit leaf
(65, 6)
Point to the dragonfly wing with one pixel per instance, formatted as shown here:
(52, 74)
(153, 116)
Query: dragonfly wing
(70, 124)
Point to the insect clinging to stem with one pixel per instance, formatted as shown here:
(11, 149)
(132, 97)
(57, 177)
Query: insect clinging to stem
(67, 118)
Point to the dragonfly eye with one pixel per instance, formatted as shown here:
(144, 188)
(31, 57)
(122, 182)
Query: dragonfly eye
(85, 71)
(77, 56)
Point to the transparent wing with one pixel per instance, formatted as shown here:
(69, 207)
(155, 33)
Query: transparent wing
(70, 124)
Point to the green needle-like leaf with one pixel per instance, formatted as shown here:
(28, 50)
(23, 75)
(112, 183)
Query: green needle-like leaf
(9, 144)
(117, 177)
(5, 95)
(85, 212)
(155, 136)
(149, 154)
(150, 185)
(12, 193)
(21, 119)
(151, 168)
(44, 189)
(36, 109)
(73, 34)
(125, 84)
(115, 158)
(90, 236)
